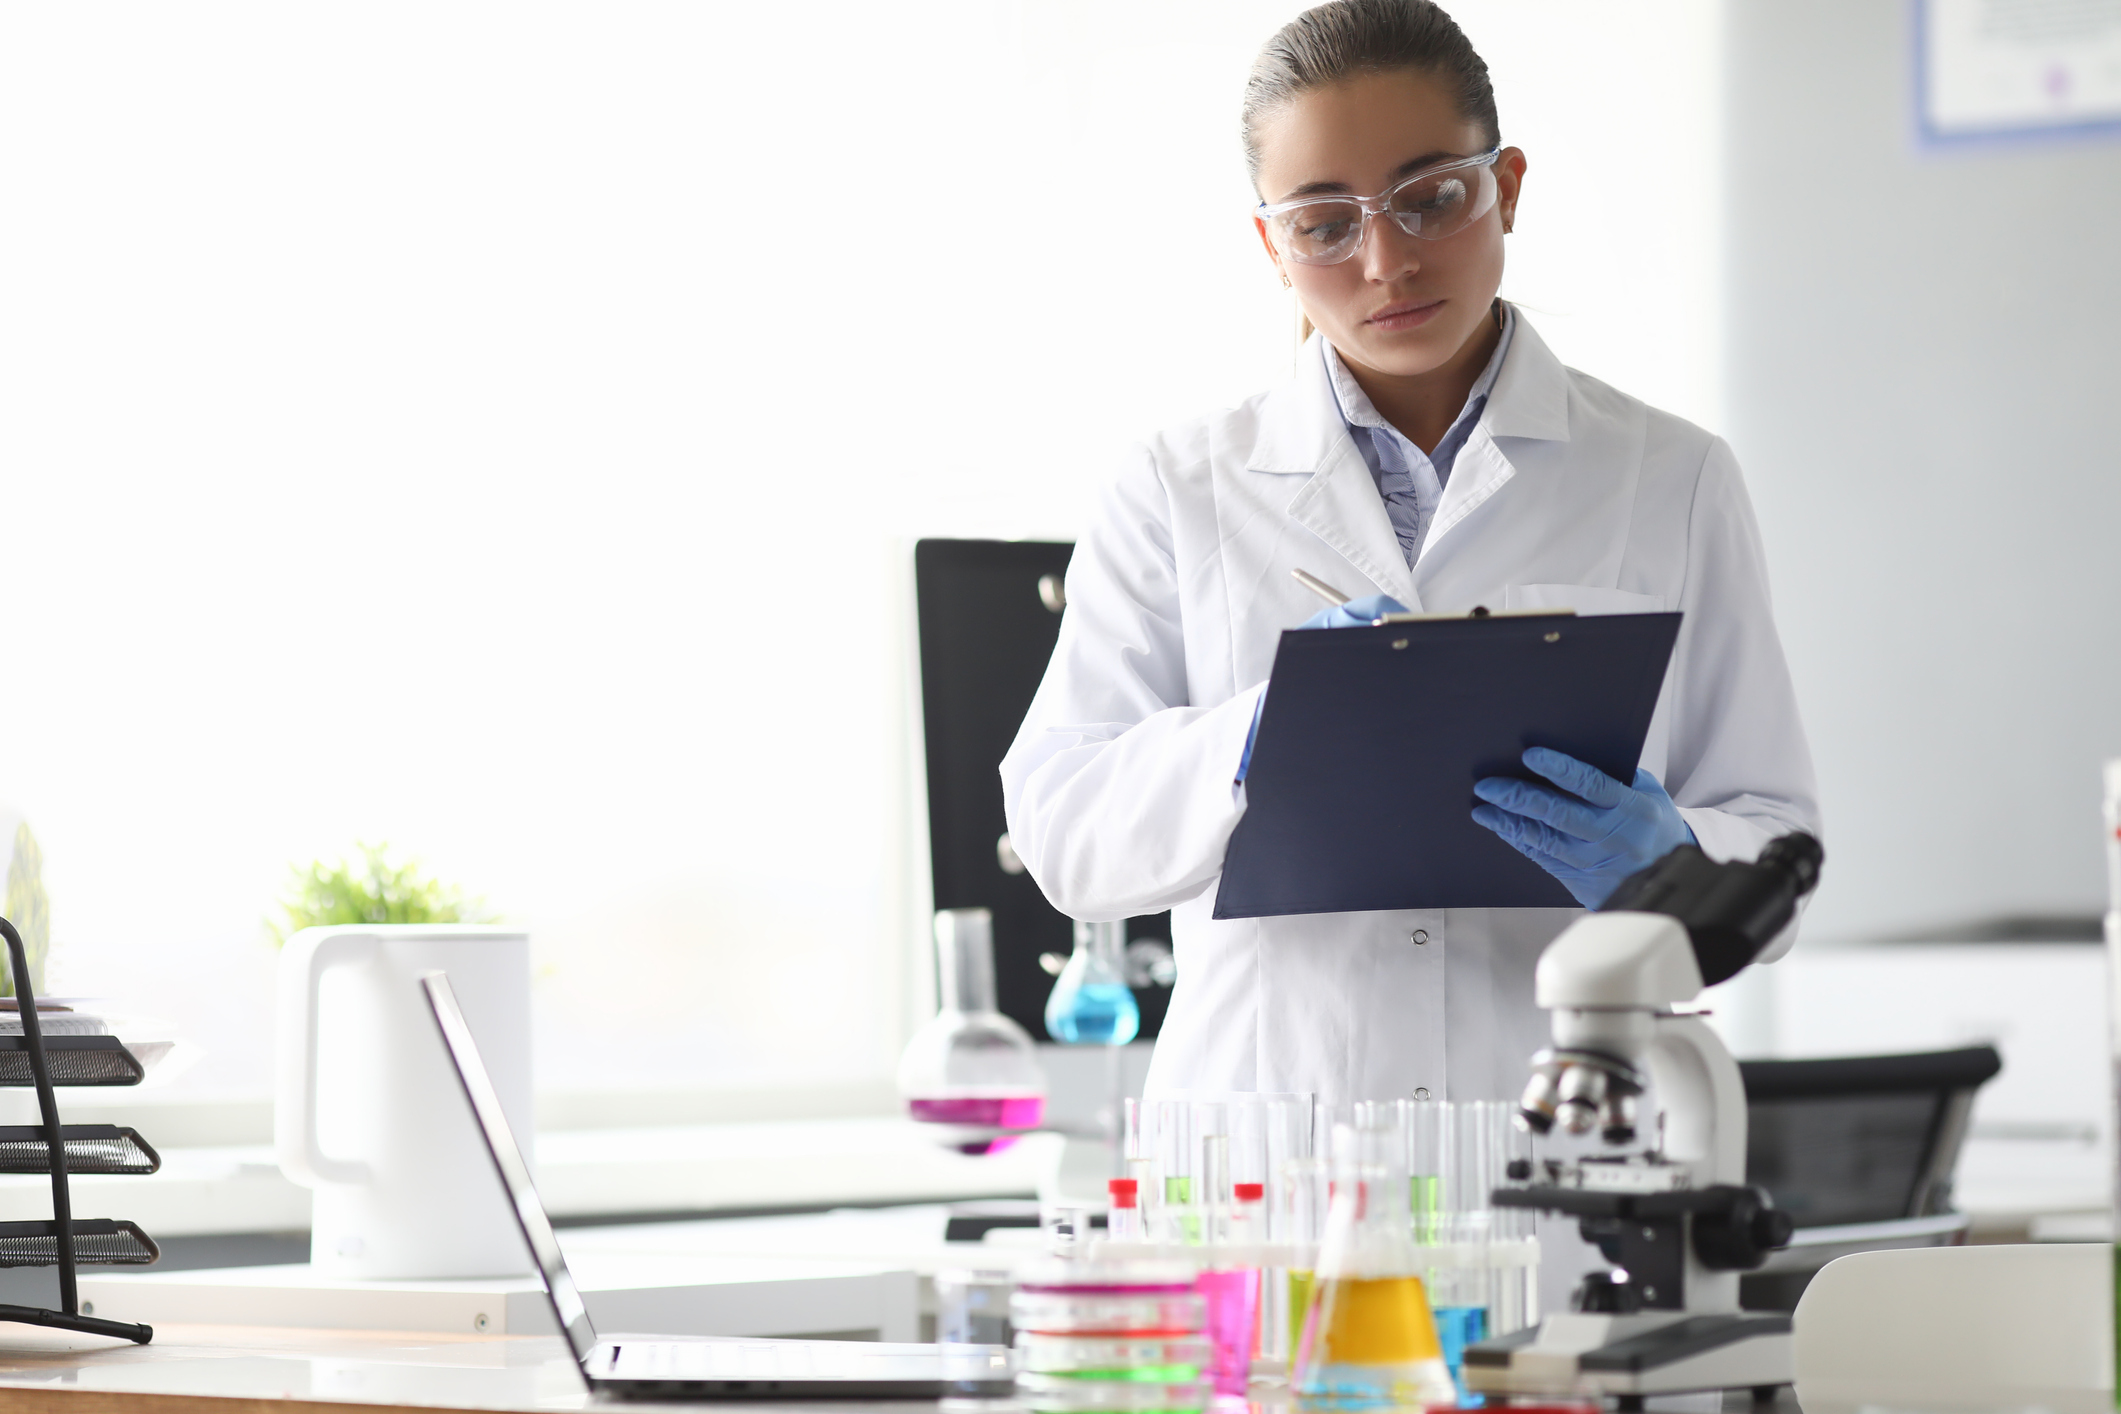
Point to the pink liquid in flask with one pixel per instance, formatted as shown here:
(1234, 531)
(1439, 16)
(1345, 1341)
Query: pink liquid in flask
(990, 1111)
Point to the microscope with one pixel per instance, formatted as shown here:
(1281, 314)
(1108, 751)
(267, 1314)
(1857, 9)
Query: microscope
(1674, 1217)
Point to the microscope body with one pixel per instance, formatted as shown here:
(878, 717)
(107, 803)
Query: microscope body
(1675, 1216)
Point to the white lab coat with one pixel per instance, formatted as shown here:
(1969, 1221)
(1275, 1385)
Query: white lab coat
(1119, 785)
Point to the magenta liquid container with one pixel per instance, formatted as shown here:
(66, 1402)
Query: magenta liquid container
(1000, 1111)
(971, 1072)
(1232, 1299)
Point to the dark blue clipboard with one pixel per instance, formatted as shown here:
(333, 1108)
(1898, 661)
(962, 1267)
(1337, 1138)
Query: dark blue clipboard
(1360, 793)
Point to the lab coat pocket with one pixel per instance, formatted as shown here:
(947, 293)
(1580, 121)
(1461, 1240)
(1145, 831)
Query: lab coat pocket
(1590, 599)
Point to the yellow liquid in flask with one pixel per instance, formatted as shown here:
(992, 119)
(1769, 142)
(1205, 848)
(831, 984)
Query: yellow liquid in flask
(1377, 1321)
(1370, 1343)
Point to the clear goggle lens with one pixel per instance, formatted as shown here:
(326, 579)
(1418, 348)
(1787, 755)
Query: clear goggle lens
(1428, 205)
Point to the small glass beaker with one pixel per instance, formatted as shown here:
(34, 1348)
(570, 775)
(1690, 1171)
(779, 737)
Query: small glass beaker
(972, 1306)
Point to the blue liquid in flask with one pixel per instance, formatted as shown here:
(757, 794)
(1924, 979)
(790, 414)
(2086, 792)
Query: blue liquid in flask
(1456, 1328)
(1093, 1014)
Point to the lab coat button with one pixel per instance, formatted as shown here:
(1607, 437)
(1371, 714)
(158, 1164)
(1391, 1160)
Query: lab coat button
(1418, 936)
(1421, 1092)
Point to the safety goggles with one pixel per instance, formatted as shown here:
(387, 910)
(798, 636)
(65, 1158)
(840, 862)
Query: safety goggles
(1431, 204)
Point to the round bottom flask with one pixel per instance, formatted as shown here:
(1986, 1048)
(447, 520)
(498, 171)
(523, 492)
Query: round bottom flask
(971, 1071)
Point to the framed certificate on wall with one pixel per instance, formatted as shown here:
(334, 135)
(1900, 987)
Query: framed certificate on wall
(1988, 69)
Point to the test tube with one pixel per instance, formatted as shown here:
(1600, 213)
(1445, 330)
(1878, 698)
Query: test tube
(1426, 1130)
(1306, 1182)
(1501, 1275)
(1279, 1134)
(1175, 1151)
(1448, 1148)
(1327, 1116)
(1248, 1139)
(1140, 1151)
(1212, 1122)
(1284, 1123)
(1123, 1220)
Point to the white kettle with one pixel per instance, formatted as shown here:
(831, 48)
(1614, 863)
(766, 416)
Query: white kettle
(368, 1112)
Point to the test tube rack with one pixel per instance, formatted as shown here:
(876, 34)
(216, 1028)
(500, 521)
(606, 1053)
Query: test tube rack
(67, 1242)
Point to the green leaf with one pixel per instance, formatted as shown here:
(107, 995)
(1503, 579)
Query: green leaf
(370, 890)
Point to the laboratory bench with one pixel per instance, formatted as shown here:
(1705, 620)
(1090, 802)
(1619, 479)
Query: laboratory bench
(255, 1370)
(231, 1368)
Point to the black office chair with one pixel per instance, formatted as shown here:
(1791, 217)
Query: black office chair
(1860, 1151)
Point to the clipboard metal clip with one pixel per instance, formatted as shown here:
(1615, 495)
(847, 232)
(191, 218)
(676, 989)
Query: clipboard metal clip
(1331, 595)
(1478, 611)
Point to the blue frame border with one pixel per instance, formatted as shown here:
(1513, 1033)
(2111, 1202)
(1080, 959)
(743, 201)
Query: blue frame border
(1930, 139)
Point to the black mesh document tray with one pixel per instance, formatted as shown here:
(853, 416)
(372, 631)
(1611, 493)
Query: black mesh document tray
(101, 1242)
(59, 1150)
(73, 1060)
(90, 1148)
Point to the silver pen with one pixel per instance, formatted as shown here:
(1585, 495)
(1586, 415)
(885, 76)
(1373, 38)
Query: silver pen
(1319, 587)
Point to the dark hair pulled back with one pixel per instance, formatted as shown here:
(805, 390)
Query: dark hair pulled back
(1348, 38)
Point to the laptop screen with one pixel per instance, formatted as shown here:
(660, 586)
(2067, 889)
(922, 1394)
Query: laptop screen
(567, 1302)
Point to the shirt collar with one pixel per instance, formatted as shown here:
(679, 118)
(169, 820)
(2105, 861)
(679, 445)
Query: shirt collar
(1357, 410)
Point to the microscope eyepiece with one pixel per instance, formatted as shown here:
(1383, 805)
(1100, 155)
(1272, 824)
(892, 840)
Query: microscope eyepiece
(1798, 855)
(1731, 910)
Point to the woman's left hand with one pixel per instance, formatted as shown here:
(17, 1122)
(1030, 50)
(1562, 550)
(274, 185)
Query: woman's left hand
(1590, 847)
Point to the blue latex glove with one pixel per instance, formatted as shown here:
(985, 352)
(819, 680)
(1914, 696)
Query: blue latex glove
(1356, 613)
(1589, 847)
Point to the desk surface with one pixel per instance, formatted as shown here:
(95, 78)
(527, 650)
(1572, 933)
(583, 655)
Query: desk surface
(261, 1370)
(254, 1369)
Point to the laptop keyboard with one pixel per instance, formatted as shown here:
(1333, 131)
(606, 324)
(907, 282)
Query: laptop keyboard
(728, 1359)
(706, 1361)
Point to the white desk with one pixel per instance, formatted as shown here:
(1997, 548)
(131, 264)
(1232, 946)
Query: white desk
(255, 1370)
(240, 1370)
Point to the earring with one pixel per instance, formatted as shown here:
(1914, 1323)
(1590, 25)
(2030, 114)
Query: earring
(1285, 281)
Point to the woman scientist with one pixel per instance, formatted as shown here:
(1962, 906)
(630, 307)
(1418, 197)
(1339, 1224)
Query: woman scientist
(1430, 451)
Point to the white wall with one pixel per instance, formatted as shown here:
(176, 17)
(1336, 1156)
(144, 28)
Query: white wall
(1616, 254)
(1922, 373)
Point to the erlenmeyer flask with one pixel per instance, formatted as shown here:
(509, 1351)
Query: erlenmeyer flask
(1369, 1341)
(1091, 1004)
(971, 1068)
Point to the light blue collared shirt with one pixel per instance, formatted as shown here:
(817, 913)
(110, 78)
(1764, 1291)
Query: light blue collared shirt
(1410, 480)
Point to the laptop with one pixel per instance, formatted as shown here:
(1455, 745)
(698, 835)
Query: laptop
(699, 1367)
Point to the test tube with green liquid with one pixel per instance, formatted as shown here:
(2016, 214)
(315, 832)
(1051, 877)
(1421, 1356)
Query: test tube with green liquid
(1304, 1187)
(1175, 1149)
(1426, 1129)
